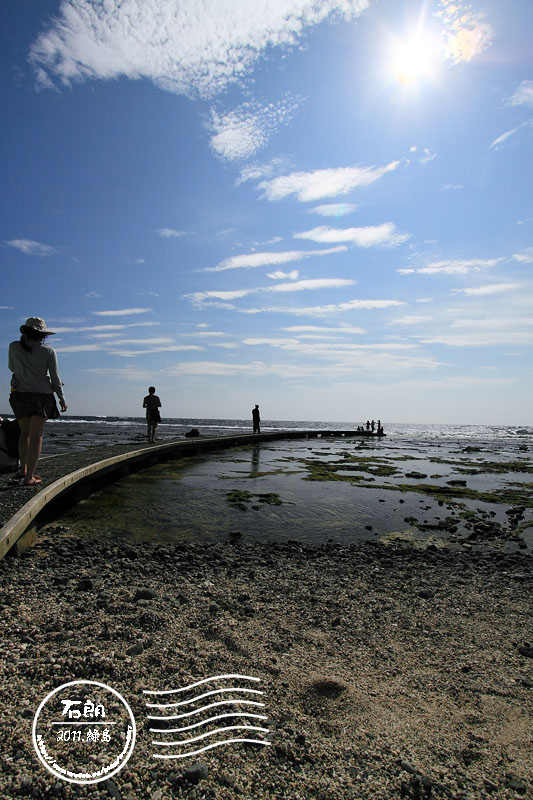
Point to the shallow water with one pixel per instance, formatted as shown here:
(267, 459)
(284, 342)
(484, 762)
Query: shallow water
(264, 492)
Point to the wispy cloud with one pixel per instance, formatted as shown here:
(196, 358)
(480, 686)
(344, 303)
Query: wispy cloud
(279, 275)
(334, 209)
(523, 95)
(171, 43)
(454, 266)
(466, 31)
(92, 294)
(500, 141)
(523, 258)
(385, 235)
(325, 310)
(31, 248)
(297, 286)
(169, 233)
(252, 260)
(493, 288)
(241, 132)
(483, 339)
(323, 328)
(122, 312)
(254, 172)
(84, 328)
(311, 186)
(410, 319)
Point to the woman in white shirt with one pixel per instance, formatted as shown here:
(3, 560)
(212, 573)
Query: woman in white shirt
(34, 381)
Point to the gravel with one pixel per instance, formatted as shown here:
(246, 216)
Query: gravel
(388, 672)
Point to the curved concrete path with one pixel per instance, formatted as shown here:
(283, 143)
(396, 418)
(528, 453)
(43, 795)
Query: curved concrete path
(20, 531)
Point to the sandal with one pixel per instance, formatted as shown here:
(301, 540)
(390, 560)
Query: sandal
(35, 481)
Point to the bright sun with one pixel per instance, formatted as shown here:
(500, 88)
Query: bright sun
(412, 60)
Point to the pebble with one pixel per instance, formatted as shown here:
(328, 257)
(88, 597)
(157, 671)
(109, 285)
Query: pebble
(197, 772)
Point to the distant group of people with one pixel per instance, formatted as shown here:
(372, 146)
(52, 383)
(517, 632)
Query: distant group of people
(371, 427)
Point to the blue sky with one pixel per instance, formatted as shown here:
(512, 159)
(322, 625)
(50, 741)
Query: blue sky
(321, 207)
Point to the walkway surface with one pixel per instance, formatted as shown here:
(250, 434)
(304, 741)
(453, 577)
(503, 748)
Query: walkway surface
(13, 496)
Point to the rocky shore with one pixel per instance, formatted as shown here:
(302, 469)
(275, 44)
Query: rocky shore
(388, 672)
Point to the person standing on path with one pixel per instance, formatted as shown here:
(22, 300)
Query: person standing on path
(256, 419)
(33, 383)
(152, 404)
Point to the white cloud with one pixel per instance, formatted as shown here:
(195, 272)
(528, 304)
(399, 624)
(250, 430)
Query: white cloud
(493, 288)
(484, 339)
(454, 267)
(297, 286)
(279, 275)
(313, 283)
(385, 235)
(312, 186)
(425, 299)
(240, 133)
(501, 139)
(186, 47)
(448, 186)
(334, 209)
(323, 328)
(31, 248)
(85, 328)
(254, 172)
(410, 319)
(78, 348)
(128, 373)
(523, 95)
(523, 258)
(169, 233)
(122, 312)
(349, 305)
(466, 32)
(252, 260)
(492, 322)
(93, 294)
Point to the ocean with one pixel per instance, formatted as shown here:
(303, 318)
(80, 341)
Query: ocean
(433, 483)
(79, 432)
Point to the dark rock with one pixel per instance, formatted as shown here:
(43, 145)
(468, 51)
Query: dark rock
(85, 585)
(427, 594)
(517, 785)
(526, 651)
(408, 767)
(456, 483)
(135, 650)
(196, 773)
(112, 789)
(143, 594)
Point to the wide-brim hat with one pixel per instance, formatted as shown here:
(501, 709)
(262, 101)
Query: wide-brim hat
(37, 324)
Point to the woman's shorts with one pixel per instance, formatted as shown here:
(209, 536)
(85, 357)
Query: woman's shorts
(33, 404)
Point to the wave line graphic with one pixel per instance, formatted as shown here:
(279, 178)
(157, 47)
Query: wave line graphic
(210, 747)
(212, 733)
(199, 683)
(205, 721)
(201, 697)
(237, 716)
(211, 705)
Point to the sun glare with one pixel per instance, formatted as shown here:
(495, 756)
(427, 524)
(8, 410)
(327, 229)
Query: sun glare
(412, 60)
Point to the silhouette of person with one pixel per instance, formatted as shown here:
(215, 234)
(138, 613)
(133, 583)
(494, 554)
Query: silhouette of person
(373, 425)
(152, 404)
(367, 425)
(34, 381)
(256, 419)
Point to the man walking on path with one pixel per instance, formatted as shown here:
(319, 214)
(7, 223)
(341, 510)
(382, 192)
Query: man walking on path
(256, 419)
(152, 404)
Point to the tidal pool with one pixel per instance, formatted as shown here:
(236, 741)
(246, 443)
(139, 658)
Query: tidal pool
(321, 490)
